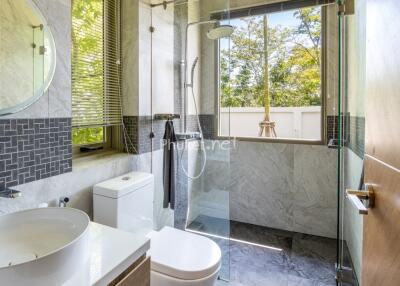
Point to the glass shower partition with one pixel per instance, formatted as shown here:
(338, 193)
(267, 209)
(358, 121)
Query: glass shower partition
(352, 46)
(207, 163)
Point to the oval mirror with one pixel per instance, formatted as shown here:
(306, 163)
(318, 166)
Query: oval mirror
(27, 55)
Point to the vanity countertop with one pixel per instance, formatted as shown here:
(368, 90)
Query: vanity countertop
(113, 251)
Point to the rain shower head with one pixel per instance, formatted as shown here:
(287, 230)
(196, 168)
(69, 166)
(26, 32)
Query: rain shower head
(223, 31)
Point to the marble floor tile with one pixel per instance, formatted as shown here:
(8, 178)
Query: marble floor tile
(261, 235)
(260, 256)
(313, 257)
(211, 225)
(297, 281)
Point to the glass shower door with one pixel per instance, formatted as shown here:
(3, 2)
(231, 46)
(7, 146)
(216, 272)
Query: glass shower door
(209, 199)
(208, 161)
(352, 43)
(188, 87)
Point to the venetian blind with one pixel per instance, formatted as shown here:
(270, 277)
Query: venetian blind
(96, 73)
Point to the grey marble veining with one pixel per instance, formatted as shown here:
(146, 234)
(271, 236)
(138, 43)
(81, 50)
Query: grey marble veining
(315, 190)
(130, 59)
(56, 102)
(285, 186)
(16, 52)
(272, 256)
(261, 184)
(59, 19)
(77, 184)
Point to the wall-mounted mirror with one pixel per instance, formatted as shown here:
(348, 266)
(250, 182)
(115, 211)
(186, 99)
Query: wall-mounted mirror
(27, 55)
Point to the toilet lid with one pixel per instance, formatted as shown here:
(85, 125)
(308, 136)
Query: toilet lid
(183, 255)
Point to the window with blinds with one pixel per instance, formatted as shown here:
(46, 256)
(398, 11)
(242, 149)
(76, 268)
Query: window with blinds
(96, 100)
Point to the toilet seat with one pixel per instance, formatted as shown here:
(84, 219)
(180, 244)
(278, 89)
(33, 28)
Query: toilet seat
(183, 255)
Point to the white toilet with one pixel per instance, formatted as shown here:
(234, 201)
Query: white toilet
(178, 258)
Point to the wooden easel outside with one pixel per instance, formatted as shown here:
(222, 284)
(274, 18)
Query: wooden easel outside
(268, 128)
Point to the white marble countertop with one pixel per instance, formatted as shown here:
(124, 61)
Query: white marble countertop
(113, 251)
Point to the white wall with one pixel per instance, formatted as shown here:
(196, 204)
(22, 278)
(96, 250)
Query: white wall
(290, 122)
(163, 60)
(146, 90)
(352, 220)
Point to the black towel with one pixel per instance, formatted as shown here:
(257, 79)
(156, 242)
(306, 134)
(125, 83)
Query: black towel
(169, 165)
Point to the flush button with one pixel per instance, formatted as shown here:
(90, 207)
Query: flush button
(126, 178)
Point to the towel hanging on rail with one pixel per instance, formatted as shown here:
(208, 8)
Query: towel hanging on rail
(169, 171)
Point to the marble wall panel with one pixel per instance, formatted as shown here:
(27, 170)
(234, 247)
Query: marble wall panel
(315, 190)
(209, 194)
(285, 186)
(16, 52)
(57, 100)
(130, 57)
(262, 184)
(77, 185)
(153, 162)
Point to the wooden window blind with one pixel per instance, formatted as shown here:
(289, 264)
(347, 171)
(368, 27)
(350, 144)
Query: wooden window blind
(96, 72)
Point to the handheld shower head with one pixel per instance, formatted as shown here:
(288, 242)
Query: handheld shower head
(196, 60)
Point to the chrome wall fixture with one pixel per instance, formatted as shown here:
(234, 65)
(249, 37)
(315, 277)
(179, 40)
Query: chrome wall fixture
(164, 4)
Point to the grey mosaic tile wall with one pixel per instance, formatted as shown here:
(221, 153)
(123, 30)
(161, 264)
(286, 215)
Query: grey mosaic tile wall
(207, 122)
(34, 149)
(332, 124)
(356, 140)
(131, 125)
(139, 129)
(354, 132)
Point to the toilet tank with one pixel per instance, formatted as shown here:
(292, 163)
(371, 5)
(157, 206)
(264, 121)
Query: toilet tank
(125, 202)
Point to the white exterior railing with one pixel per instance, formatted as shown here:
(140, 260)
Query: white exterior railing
(290, 122)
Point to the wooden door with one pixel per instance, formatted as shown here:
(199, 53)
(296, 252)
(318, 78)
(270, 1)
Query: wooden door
(381, 237)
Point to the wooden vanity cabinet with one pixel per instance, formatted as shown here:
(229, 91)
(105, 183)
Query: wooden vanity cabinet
(138, 274)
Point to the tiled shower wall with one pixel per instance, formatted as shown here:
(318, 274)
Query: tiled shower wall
(354, 131)
(286, 186)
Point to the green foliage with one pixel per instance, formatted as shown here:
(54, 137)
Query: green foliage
(87, 66)
(293, 57)
(82, 136)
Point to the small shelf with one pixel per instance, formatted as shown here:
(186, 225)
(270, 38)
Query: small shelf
(188, 136)
(166, 116)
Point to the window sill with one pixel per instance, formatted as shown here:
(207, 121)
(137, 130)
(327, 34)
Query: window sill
(85, 161)
(277, 140)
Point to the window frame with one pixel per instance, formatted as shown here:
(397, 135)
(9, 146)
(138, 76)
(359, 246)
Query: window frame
(110, 132)
(322, 140)
(106, 145)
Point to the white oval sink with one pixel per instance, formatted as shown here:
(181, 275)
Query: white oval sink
(43, 246)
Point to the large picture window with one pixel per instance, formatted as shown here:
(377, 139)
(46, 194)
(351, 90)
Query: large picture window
(271, 76)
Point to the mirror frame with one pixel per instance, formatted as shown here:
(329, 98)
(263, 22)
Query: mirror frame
(49, 78)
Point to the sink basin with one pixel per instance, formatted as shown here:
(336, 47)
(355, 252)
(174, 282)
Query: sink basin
(43, 246)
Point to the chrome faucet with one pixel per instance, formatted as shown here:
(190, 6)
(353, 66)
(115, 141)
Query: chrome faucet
(10, 194)
(62, 203)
